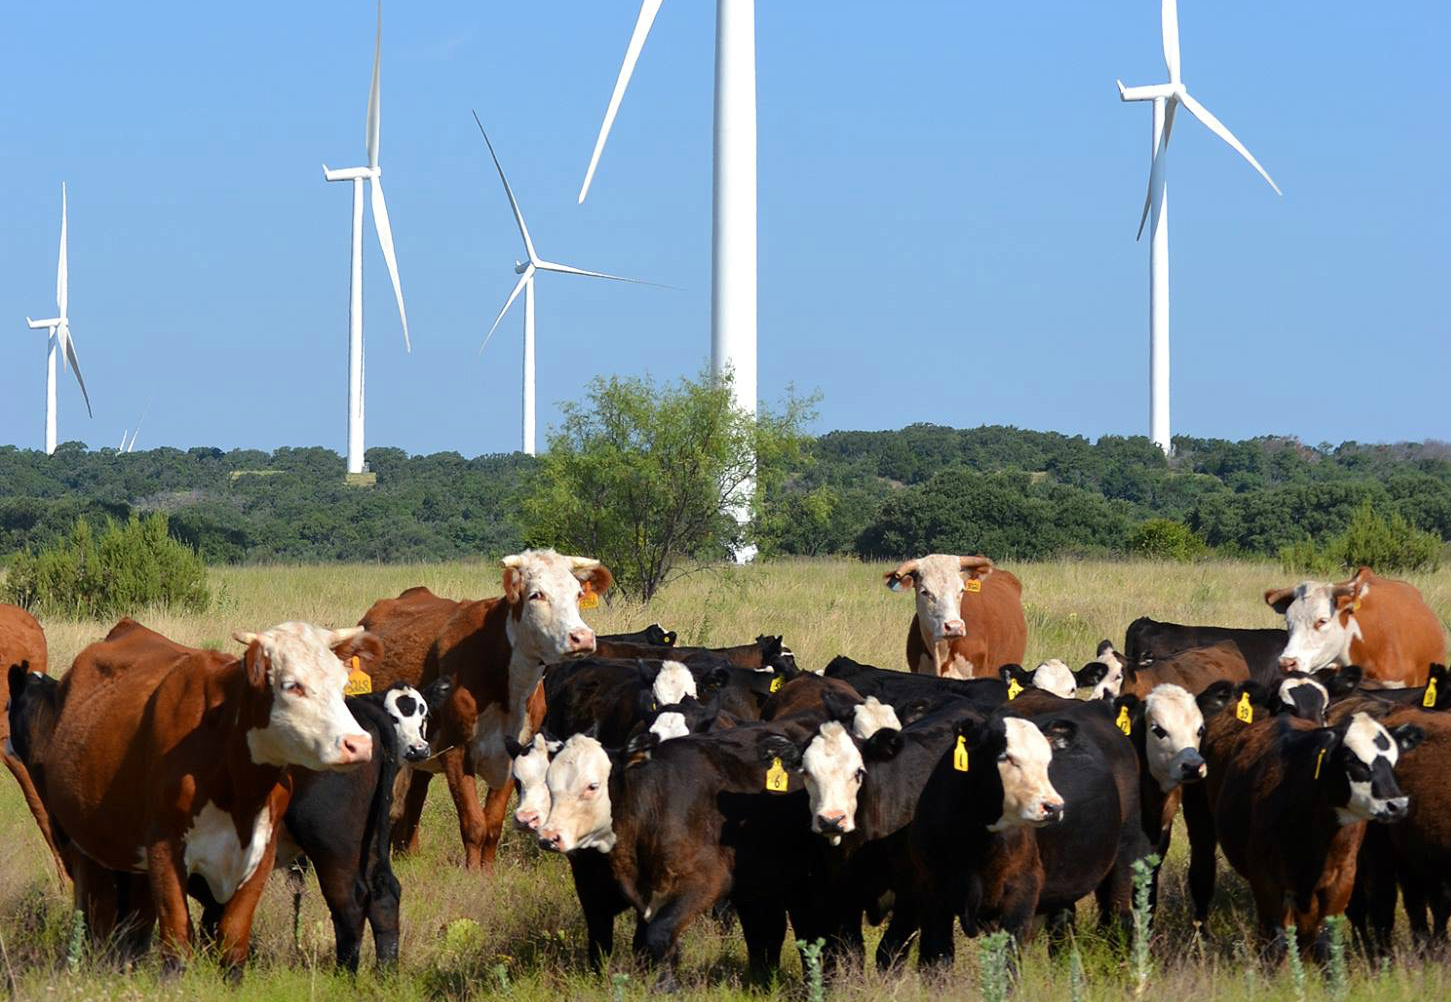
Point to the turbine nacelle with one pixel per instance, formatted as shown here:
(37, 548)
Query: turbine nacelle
(352, 173)
(1151, 92)
(520, 267)
(38, 325)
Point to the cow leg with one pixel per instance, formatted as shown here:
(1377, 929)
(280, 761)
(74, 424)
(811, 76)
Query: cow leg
(37, 809)
(496, 806)
(465, 791)
(1202, 845)
(136, 915)
(896, 939)
(935, 950)
(383, 907)
(660, 936)
(763, 926)
(405, 833)
(344, 895)
(1372, 905)
(1413, 892)
(167, 872)
(600, 900)
(235, 932)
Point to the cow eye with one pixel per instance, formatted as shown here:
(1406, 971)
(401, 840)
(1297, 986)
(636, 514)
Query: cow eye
(294, 687)
(1201, 730)
(592, 788)
(1159, 732)
(861, 774)
(1005, 757)
(926, 593)
(1320, 624)
(537, 596)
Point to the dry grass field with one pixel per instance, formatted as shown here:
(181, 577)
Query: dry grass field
(518, 933)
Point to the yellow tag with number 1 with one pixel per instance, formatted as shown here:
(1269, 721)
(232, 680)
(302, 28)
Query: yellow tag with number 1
(1124, 723)
(1244, 711)
(1429, 700)
(959, 754)
(776, 778)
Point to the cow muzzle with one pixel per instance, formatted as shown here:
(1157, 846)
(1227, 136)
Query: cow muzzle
(1192, 768)
(354, 749)
(1393, 809)
(954, 628)
(1050, 812)
(528, 821)
(552, 840)
(1289, 664)
(832, 823)
(581, 643)
(416, 752)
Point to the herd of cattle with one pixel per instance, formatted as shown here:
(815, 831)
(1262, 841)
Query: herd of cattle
(682, 782)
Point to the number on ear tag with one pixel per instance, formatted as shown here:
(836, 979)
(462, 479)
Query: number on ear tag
(589, 598)
(1244, 711)
(776, 778)
(1318, 760)
(1015, 688)
(359, 682)
(1429, 699)
(959, 754)
(776, 683)
(974, 584)
(1124, 723)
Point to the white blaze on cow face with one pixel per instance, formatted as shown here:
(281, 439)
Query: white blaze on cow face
(579, 798)
(1305, 698)
(670, 724)
(309, 724)
(409, 713)
(544, 589)
(938, 583)
(1371, 756)
(1320, 634)
(832, 770)
(1028, 795)
(531, 769)
(1056, 677)
(871, 716)
(673, 684)
(1173, 726)
(1112, 682)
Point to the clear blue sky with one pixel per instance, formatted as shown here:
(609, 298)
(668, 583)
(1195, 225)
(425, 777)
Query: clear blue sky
(948, 197)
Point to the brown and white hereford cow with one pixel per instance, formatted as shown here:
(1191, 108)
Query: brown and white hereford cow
(1384, 626)
(175, 762)
(495, 650)
(22, 642)
(969, 620)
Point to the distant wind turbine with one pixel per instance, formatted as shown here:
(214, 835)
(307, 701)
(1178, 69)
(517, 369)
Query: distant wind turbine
(358, 175)
(526, 271)
(1167, 97)
(59, 340)
(131, 445)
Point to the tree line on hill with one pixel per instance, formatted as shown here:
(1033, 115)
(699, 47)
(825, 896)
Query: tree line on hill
(1007, 492)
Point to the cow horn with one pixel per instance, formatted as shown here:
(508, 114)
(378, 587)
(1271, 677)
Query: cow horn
(975, 563)
(894, 578)
(1277, 597)
(347, 633)
(244, 638)
(582, 563)
(513, 560)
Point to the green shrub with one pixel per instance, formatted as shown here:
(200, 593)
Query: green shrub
(1388, 545)
(1165, 539)
(131, 566)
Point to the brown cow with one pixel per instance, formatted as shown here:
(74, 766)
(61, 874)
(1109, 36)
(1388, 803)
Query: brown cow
(495, 650)
(22, 642)
(969, 620)
(1193, 670)
(1384, 626)
(174, 762)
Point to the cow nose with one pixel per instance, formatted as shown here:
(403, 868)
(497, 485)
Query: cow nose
(831, 821)
(551, 840)
(954, 628)
(528, 820)
(582, 640)
(417, 753)
(355, 748)
(1192, 770)
(1289, 664)
(1052, 812)
(1395, 808)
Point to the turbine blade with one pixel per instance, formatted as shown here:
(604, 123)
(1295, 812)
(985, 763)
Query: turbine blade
(1169, 22)
(1218, 128)
(69, 350)
(524, 280)
(513, 202)
(565, 269)
(385, 240)
(374, 110)
(648, 10)
(1156, 169)
(62, 268)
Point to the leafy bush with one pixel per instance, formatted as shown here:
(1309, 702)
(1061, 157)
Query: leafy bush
(131, 566)
(1165, 539)
(1387, 545)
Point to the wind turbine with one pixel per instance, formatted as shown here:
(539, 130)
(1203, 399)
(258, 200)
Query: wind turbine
(1167, 97)
(733, 251)
(130, 446)
(59, 340)
(526, 270)
(358, 175)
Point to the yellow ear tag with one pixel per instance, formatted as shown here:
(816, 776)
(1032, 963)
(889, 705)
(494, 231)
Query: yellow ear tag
(776, 683)
(1429, 699)
(1015, 688)
(1318, 760)
(589, 599)
(1123, 722)
(959, 754)
(359, 681)
(1244, 711)
(776, 778)
(974, 584)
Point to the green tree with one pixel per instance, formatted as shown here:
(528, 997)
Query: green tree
(642, 475)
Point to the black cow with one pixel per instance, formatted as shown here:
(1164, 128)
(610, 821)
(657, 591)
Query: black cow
(653, 635)
(913, 695)
(1147, 640)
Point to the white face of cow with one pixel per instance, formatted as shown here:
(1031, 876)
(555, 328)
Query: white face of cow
(1320, 635)
(309, 724)
(938, 582)
(1372, 755)
(409, 713)
(1056, 677)
(670, 724)
(1305, 698)
(871, 716)
(1174, 727)
(544, 590)
(531, 768)
(1028, 796)
(673, 684)
(579, 798)
(1112, 683)
(832, 770)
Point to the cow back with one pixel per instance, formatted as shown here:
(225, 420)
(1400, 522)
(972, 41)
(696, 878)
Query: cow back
(1193, 670)
(408, 626)
(1400, 636)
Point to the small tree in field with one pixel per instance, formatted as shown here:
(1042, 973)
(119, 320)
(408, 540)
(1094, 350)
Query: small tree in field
(641, 475)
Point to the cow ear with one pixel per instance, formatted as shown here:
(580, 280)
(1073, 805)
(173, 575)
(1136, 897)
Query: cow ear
(838, 706)
(1442, 699)
(513, 747)
(640, 746)
(885, 744)
(1090, 675)
(366, 647)
(1407, 736)
(714, 680)
(896, 582)
(513, 585)
(1010, 672)
(773, 746)
(1280, 599)
(1339, 681)
(979, 733)
(1060, 733)
(1105, 647)
(914, 709)
(595, 579)
(15, 679)
(254, 660)
(1214, 698)
(1128, 701)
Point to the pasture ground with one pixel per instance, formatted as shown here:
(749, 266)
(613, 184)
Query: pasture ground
(518, 933)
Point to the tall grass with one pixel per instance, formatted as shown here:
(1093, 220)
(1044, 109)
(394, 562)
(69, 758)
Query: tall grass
(466, 936)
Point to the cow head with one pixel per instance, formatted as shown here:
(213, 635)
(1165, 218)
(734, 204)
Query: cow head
(578, 781)
(1172, 724)
(1105, 675)
(1051, 676)
(303, 669)
(32, 711)
(1363, 783)
(672, 683)
(407, 709)
(1320, 617)
(1018, 753)
(872, 715)
(832, 770)
(939, 581)
(544, 590)
(531, 767)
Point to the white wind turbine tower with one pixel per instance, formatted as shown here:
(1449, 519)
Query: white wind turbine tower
(59, 340)
(358, 175)
(526, 270)
(1167, 97)
(733, 258)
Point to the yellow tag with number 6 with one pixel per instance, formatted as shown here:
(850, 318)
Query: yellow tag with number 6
(776, 778)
